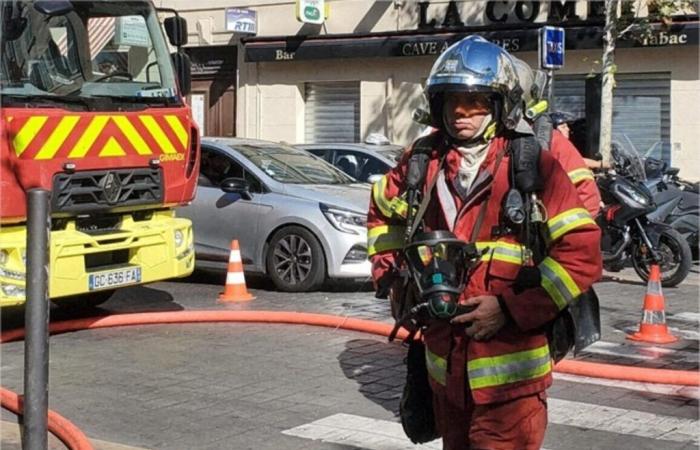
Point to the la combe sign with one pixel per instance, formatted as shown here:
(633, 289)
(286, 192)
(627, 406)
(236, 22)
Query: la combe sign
(438, 16)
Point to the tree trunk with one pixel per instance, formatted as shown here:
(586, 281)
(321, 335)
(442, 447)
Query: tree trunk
(606, 96)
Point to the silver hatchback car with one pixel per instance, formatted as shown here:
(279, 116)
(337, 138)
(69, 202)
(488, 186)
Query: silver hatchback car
(297, 219)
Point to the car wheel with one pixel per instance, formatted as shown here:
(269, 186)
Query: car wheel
(295, 260)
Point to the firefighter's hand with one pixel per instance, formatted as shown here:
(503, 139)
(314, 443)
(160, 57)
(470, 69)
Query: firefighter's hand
(486, 319)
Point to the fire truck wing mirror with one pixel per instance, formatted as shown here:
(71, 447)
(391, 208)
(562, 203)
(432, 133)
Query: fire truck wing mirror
(176, 29)
(183, 68)
(53, 7)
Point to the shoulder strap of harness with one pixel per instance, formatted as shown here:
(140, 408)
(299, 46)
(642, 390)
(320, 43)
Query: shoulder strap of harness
(543, 128)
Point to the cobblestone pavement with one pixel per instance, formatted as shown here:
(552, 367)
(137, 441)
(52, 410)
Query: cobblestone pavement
(245, 386)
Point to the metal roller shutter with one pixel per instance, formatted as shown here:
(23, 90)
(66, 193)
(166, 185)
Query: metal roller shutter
(332, 112)
(641, 105)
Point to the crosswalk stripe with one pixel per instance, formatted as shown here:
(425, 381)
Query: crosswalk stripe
(650, 388)
(359, 432)
(685, 317)
(641, 353)
(622, 421)
(375, 434)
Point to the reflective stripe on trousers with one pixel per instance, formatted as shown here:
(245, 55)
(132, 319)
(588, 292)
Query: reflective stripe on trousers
(496, 370)
(437, 366)
(505, 369)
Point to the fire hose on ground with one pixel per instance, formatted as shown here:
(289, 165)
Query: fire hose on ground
(70, 435)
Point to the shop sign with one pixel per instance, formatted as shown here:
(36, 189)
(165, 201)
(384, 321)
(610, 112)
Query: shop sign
(310, 11)
(552, 48)
(662, 38)
(558, 12)
(243, 21)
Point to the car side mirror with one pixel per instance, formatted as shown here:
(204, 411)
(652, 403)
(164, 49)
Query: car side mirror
(374, 178)
(237, 186)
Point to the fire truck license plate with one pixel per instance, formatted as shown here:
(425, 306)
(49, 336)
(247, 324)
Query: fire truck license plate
(113, 278)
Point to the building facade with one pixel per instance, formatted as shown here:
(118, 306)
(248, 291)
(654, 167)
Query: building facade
(362, 71)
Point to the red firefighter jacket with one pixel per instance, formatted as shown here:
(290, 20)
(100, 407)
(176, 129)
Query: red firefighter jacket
(572, 162)
(516, 361)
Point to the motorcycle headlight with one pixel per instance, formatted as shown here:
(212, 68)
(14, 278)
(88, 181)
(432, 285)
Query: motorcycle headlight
(634, 195)
(344, 220)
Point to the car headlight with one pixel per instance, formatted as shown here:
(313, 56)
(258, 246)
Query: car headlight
(344, 220)
(4, 257)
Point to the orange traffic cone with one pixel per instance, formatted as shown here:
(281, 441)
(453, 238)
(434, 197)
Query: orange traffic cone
(235, 289)
(653, 327)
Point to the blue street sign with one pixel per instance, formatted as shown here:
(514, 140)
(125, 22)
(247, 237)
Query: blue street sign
(551, 47)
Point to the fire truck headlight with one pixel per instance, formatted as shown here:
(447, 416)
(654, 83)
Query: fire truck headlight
(179, 238)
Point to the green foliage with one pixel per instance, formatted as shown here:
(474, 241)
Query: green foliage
(632, 25)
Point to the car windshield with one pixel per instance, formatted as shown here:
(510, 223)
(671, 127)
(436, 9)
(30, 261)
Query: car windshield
(87, 52)
(290, 165)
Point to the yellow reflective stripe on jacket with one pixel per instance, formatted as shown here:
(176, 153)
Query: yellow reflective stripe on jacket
(558, 283)
(502, 251)
(580, 175)
(437, 366)
(511, 368)
(385, 237)
(388, 207)
(562, 223)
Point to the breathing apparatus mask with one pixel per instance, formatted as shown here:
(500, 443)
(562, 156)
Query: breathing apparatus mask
(439, 264)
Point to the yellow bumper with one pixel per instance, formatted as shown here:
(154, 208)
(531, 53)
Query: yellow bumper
(149, 245)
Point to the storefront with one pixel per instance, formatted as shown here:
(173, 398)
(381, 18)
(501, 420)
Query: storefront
(213, 96)
(362, 71)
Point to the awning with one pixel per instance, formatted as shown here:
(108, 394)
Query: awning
(406, 44)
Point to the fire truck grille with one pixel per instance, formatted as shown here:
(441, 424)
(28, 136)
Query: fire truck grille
(106, 189)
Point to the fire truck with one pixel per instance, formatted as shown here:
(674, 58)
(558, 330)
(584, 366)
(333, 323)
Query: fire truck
(92, 109)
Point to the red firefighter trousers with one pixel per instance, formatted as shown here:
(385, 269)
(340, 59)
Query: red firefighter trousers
(517, 424)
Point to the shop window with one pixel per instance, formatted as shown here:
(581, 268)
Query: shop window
(641, 108)
(332, 112)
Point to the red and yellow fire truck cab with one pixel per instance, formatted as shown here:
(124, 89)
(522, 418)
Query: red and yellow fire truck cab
(91, 110)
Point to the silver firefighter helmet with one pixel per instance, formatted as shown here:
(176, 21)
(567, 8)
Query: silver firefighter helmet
(476, 65)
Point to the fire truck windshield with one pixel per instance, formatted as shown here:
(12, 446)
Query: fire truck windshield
(113, 52)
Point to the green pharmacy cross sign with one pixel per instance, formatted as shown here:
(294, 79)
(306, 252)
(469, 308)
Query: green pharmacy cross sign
(310, 11)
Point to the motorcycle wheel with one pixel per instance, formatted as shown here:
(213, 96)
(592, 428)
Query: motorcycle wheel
(675, 259)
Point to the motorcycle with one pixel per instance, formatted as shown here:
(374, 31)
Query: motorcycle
(677, 201)
(629, 232)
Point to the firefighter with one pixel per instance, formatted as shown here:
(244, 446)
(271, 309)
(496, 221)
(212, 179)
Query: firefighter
(555, 137)
(489, 368)
(563, 123)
